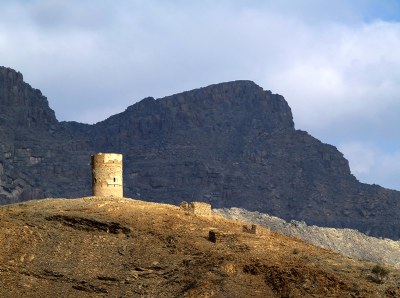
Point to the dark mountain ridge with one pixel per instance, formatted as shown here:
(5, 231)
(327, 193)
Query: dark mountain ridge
(230, 144)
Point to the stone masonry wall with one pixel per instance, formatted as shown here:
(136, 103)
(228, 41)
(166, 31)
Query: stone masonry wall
(198, 208)
(107, 175)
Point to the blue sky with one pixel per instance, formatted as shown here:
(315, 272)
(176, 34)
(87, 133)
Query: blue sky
(337, 63)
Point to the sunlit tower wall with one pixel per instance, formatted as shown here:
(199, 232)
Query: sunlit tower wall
(107, 175)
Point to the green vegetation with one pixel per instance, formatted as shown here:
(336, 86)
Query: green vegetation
(380, 274)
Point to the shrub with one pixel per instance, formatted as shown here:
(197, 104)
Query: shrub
(380, 274)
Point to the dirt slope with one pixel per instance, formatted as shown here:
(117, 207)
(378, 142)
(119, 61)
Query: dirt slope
(347, 242)
(101, 247)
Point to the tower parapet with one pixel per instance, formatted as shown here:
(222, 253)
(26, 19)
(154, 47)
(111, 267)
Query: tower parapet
(107, 175)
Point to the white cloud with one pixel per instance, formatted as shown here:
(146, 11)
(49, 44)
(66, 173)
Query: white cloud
(372, 165)
(362, 158)
(350, 71)
(336, 62)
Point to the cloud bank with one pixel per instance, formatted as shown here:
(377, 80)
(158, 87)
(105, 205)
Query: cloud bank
(336, 63)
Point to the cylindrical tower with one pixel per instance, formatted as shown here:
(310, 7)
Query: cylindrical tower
(107, 175)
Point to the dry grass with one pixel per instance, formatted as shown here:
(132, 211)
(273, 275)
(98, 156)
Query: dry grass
(101, 247)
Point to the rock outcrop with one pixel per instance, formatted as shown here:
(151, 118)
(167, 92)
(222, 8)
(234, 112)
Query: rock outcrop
(230, 144)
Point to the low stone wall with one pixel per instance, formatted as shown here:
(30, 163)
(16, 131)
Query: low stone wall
(222, 237)
(198, 208)
(252, 229)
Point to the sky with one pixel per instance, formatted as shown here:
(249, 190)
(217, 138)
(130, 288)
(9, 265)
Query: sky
(337, 63)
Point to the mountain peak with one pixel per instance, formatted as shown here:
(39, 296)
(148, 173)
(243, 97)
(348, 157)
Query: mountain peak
(25, 106)
(231, 144)
(242, 104)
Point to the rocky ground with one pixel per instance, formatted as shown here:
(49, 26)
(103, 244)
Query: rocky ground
(102, 247)
(348, 242)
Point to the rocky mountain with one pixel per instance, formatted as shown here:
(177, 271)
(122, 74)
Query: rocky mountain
(99, 247)
(231, 144)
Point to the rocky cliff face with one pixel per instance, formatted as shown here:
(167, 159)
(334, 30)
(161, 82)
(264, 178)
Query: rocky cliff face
(22, 105)
(231, 144)
(36, 152)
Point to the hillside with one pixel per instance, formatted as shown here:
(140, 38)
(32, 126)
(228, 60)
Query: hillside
(102, 247)
(347, 242)
(231, 144)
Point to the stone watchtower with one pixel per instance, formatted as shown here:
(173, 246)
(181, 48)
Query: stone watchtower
(107, 175)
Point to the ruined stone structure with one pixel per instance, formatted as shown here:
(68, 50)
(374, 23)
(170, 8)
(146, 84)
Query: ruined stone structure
(198, 208)
(228, 238)
(250, 229)
(107, 175)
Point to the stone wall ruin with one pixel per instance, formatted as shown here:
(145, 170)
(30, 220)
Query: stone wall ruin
(107, 175)
(198, 208)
